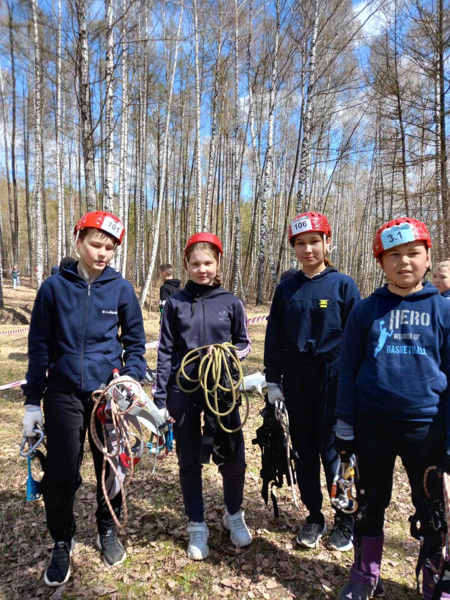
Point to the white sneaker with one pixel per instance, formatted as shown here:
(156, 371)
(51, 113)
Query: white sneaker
(239, 533)
(198, 548)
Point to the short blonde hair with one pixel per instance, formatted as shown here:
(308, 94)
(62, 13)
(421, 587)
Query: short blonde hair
(444, 264)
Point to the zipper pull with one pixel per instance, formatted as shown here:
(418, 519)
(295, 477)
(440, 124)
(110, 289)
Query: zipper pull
(89, 289)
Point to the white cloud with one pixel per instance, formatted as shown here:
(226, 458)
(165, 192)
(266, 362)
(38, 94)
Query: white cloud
(372, 15)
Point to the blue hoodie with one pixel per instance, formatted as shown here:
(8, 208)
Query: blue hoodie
(195, 317)
(307, 319)
(74, 334)
(446, 294)
(395, 357)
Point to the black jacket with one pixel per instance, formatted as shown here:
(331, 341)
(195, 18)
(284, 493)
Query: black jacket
(192, 319)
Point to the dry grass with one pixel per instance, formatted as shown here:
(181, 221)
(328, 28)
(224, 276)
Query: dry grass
(271, 568)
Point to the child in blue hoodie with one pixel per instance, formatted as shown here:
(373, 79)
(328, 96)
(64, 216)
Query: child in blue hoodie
(393, 392)
(202, 313)
(301, 355)
(85, 323)
(441, 277)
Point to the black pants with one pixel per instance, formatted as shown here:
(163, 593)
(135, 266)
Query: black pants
(186, 410)
(310, 391)
(380, 441)
(67, 417)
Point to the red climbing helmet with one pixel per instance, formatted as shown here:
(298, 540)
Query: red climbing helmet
(210, 238)
(400, 231)
(309, 221)
(104, 221)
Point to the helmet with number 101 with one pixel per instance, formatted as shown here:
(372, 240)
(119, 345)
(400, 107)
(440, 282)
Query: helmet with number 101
(400, 231)
(103, 221)
(309, 221)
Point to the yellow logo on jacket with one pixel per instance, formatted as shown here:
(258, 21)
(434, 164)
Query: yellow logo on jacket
(323, 303)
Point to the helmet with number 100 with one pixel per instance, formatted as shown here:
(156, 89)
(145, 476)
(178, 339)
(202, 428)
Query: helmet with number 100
(103, 221)
(400, 231)
(309, 221)
(209, 238)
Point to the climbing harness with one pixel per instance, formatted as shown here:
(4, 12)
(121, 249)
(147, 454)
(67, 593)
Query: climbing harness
(431, 525)
(277, 455)
(343, 489)
(121, 409)
(219, 376)
(32, 454)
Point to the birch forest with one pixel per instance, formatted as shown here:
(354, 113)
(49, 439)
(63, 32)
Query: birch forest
(229, 116)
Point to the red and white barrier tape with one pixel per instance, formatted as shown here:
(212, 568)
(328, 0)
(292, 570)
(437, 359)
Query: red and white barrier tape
(12, 332)
(148, 346)
(254, 320)
(14, 384)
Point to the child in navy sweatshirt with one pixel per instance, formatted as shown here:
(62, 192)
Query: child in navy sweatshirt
(301, 356)
(202, 313)
(393, 392)
(441, 277)
(86, 322)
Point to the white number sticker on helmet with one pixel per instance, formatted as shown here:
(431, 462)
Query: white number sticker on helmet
(396, 235)
(113, 227)
(301, 225)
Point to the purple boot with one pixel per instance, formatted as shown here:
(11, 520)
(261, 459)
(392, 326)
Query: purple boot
(365, 570)
(428, 583)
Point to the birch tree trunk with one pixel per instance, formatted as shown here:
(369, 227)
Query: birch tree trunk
(164, 166)
(268, 168)
(198, 147)
(15, 215)
(109, 129)
(302, 199)
(37, 145)
(59, 183)
(84, 102)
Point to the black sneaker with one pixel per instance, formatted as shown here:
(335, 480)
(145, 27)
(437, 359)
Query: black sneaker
(311, 534)
(112, 550)
(58, 570)
(379, 591)
(341, 536)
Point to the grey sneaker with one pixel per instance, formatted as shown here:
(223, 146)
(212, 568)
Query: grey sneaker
(113, 552)
(341, 536)
(311, 534)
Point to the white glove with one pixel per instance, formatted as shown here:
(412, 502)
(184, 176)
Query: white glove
(274, 393)
(31, 418)
(165, 414)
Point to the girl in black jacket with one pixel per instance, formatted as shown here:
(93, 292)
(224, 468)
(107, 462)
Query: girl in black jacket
(200, 314)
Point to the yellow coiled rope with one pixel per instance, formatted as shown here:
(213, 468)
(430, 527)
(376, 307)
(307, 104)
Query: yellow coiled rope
(213, 364)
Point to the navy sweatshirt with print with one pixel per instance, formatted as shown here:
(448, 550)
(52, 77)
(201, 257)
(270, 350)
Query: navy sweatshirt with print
(79, 332)
(193, 317)
(396, 357)
(307, 318)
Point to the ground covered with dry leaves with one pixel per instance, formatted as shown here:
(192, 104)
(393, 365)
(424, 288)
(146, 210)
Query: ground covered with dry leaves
(155, 539)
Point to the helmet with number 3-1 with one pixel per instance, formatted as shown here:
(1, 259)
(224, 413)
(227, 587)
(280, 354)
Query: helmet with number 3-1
(309, 221)
(209, 238)
(400, 231)
(104, 221)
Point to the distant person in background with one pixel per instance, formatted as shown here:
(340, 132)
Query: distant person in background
(170, 286)
(441, 277)
(15, 277)
(288, 273)
(63, 263)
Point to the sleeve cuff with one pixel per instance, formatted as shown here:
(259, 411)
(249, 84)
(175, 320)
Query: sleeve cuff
(344, 431)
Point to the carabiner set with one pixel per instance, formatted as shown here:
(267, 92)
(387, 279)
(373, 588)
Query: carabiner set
(343, 489)
(33, 442)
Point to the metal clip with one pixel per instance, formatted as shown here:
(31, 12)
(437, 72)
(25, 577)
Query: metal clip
(32, 442)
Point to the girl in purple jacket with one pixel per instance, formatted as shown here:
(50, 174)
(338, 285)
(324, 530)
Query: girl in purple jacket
(200, 314)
